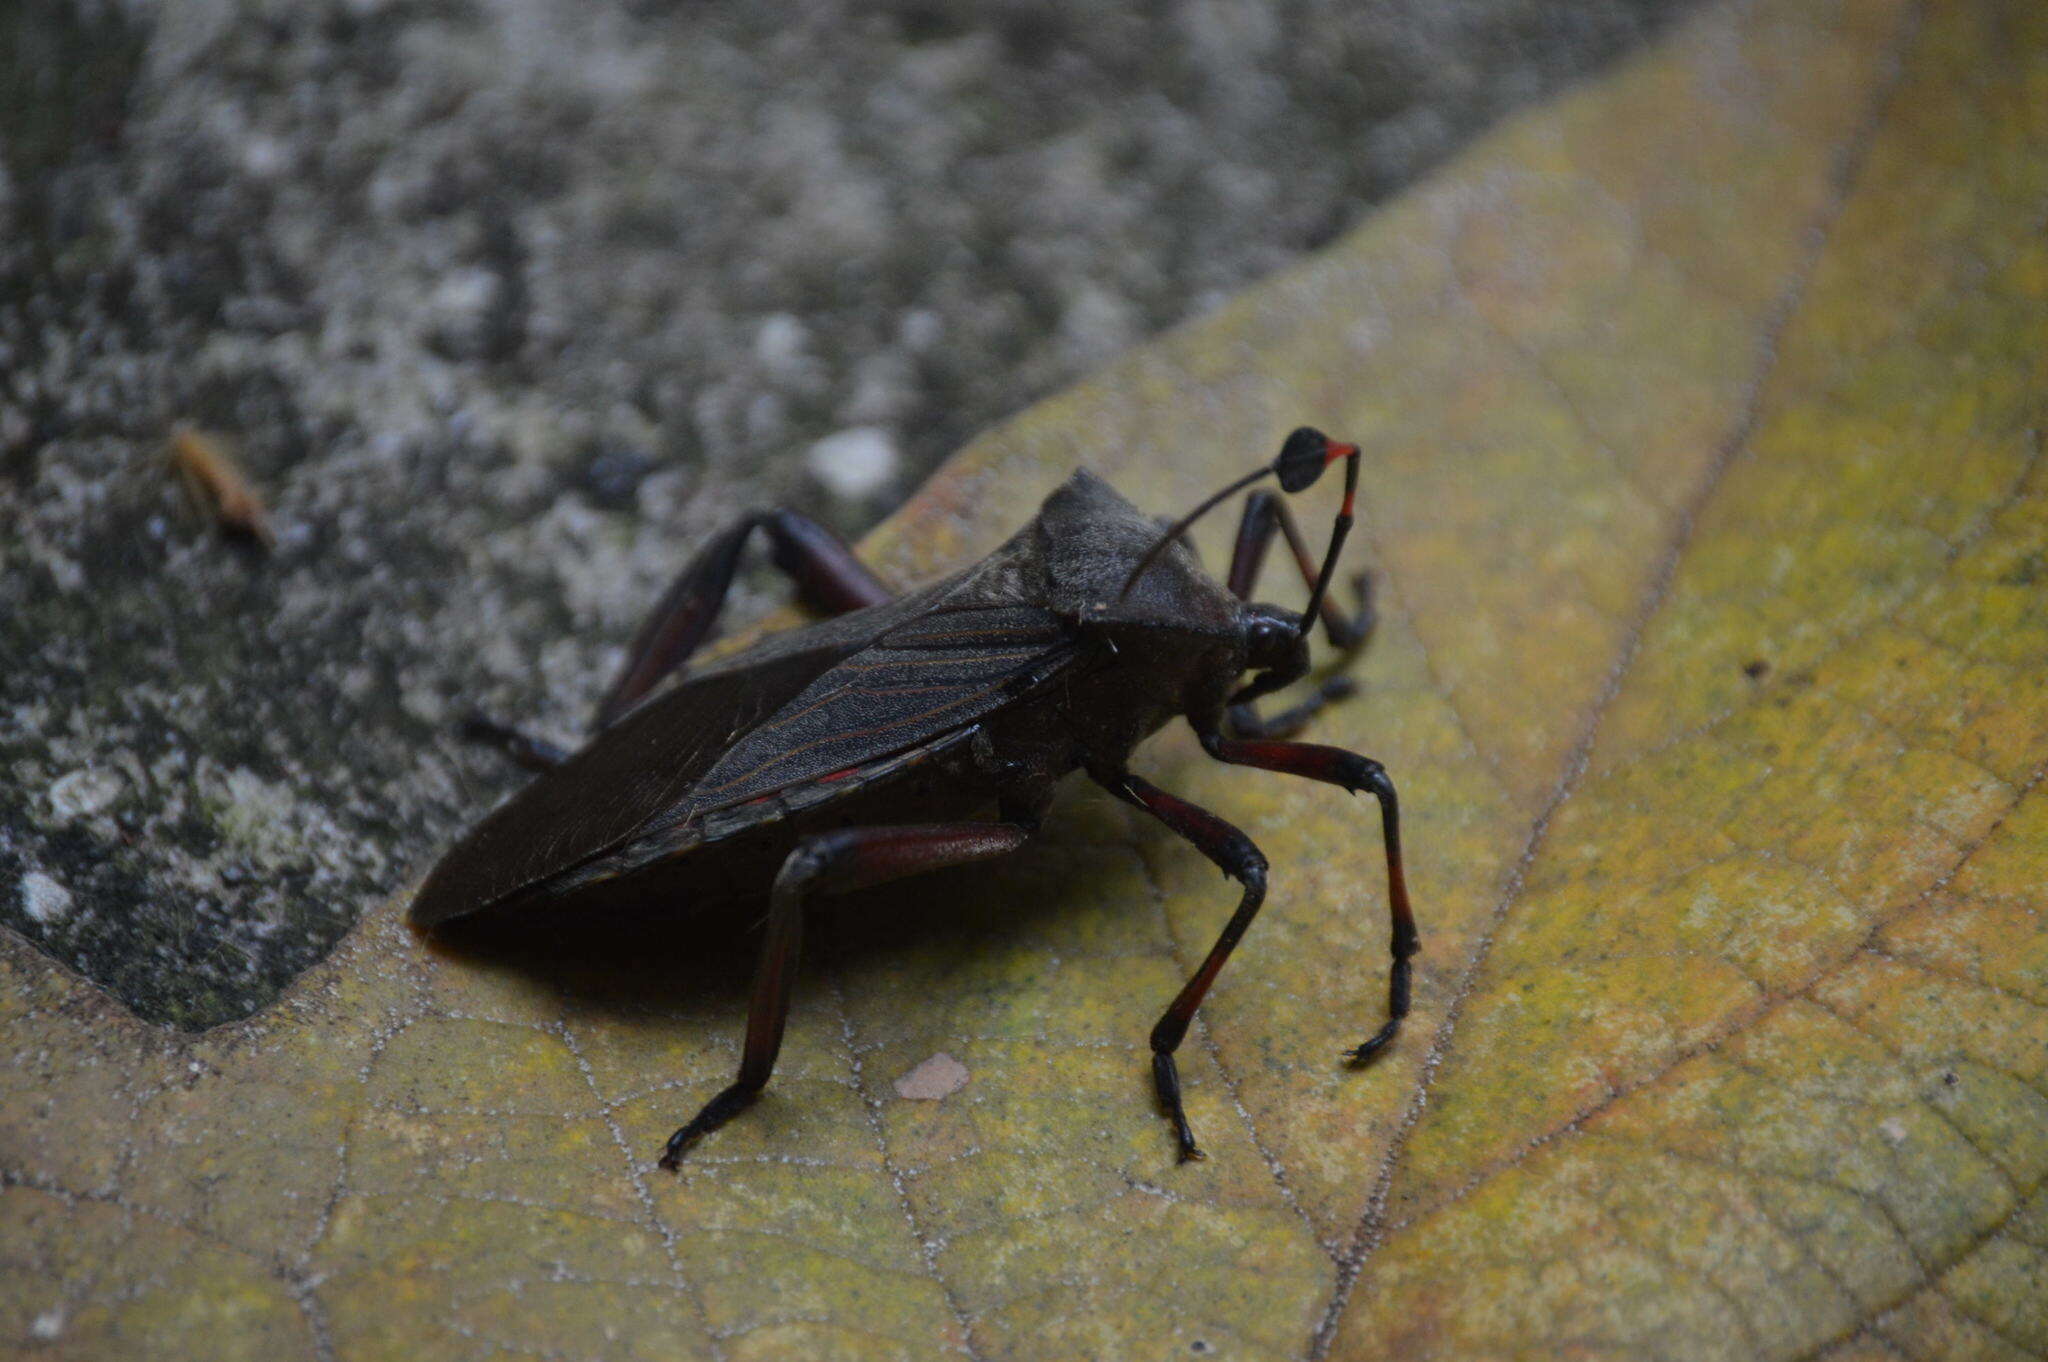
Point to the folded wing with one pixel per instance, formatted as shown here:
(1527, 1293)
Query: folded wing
(938, 672)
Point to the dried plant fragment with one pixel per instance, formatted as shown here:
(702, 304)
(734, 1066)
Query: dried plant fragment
(219, 487)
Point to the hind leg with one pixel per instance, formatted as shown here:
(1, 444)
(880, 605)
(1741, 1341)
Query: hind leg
(828, 579)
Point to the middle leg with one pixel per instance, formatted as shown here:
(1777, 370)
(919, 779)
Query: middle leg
(830, 862)
(1237, 857)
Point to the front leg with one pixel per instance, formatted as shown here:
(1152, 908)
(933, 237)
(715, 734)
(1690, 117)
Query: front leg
(1266, 515)
(1247, 722)
(1335, 766)
(1237, 857)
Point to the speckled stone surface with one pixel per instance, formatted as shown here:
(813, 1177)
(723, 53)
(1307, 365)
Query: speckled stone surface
(504, 304)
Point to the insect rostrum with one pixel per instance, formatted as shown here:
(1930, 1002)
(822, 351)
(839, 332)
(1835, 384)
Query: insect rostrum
(839, 755)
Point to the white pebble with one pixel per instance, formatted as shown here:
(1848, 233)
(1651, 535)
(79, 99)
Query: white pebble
(43, 899)
(84, 792)
(854, 463)
(66, 572)
(264, 156)
(780, 344)
(463, 294)
(920, 329)
(1097, 324)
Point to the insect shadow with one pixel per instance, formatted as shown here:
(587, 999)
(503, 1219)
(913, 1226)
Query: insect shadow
(637, 957)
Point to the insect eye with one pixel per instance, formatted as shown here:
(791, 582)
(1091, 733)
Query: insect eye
(1271, 637)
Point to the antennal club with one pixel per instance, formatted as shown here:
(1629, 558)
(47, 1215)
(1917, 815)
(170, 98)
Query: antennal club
(1302, 459)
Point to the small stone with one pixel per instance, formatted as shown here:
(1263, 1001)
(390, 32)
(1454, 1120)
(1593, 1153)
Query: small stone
(459, 312)
(612, 476)
(919, 329)
(938, 1077)
(1893, 1130)
(781, 344)
(65, 572)
(264, 156)
(43, 899)
(48, 1326)
(1096, 325)
(854, 463)
(464, 293)
(85, 792)
(884, 390)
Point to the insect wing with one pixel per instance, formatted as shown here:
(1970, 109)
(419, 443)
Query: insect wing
(932, 674)
(642, 766)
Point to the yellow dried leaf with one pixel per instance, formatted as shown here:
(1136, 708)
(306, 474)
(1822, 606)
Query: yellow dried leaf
(1704, 414)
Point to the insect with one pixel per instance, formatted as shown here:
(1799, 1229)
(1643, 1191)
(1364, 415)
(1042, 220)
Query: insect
(213, 481)
(841, 754)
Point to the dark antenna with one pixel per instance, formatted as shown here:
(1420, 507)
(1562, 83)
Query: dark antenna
(1180, 527)
(1302, 459)
(1338, 530)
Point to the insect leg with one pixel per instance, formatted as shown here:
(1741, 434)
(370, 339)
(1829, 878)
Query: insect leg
(1237, 857)
(535, 754)
(831, 862)
(1335, 766)
(1265, 513)
(829, 579)
(1247, 722)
